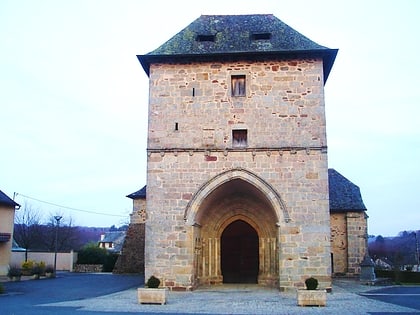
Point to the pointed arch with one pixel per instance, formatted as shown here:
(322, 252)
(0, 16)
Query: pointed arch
(269, 192)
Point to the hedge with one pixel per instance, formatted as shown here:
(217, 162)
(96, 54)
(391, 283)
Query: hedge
(399, 276)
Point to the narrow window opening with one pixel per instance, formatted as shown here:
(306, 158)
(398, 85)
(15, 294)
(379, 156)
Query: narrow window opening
(205, 38)
(240, 138)
(176, 126)
(238, 85)
(193, 92)
(261, 36)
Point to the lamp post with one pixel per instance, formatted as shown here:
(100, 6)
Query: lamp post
(417, 250)
(57, 218)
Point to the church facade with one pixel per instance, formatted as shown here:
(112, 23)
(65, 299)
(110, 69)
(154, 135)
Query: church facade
(237, 169)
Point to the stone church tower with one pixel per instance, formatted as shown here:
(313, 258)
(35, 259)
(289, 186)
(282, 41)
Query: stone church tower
(237, 174)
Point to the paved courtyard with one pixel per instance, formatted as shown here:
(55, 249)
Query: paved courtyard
(120, 297)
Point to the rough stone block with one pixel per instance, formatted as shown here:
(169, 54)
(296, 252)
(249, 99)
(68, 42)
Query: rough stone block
(151, 296)
(311, 297)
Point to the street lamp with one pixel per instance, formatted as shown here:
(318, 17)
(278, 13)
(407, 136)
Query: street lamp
(417, 250)
(57, 218)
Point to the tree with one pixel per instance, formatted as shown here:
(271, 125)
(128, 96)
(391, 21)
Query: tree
(27, 230)
(67, 237)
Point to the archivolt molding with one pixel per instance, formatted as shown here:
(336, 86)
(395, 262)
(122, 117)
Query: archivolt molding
(272, 196)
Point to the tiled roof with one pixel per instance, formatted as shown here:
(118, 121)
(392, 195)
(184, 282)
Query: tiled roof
(227, 37)
(344, 195)
(139, 194)
(6, 201)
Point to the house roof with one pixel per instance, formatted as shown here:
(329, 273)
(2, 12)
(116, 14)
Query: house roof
(344, 195)
(16, 247)
(116, 238)
(139, 194)
(256, 36)
(6, 201)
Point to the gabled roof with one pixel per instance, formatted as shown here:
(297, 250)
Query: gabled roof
(344, 195)
(116, 238)
(113, 236)
(6, 201)
(212, 37)
(139, 194)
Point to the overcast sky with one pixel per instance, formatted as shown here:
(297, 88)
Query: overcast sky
(74, 99)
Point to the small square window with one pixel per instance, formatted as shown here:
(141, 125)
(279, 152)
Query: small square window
(205, 38)
(261, 36)
(238, 85)
(240, 138)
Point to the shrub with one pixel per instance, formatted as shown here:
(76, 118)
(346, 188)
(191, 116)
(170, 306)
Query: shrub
(399, 276)
(153, 282)
(311, 283)
(2, 290)
(14, 272)
(36, 270)
(28, 265)
(91, 254)
(49, 269)
(109, 262)
(41, 267)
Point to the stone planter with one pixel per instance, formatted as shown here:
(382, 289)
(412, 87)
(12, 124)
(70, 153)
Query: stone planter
(35, 276)
(49, 274)
(311, 297)
(15, 278)
(151, 296)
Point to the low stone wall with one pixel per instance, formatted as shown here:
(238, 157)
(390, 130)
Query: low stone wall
(87, 268)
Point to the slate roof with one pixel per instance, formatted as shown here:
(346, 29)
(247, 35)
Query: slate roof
(344, 195)
(6, 201)
(212, 37)
(139, 194)
(116, 238)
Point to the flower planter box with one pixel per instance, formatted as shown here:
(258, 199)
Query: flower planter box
(312, 297)
(35, 276)
(151, 296)
(15, 278)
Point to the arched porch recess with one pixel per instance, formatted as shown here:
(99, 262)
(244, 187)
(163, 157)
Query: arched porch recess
(228, 197)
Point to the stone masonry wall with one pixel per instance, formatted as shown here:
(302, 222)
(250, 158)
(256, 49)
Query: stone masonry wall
(339, 243)
(191, 118)
(131, 259)
(191, 107)
(348, 241)
(357, 240)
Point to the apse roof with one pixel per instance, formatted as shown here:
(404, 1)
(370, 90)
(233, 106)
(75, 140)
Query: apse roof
(139, 194)
(344, 195)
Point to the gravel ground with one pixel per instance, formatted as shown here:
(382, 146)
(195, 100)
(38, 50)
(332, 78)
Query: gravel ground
(243, 299)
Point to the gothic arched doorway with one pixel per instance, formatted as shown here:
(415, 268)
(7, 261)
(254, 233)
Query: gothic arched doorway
(239, 253)
(233, 215)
